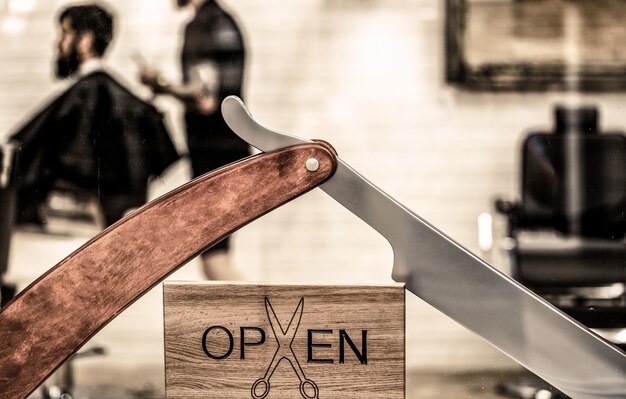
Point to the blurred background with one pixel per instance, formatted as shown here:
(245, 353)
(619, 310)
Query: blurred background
(430, 100)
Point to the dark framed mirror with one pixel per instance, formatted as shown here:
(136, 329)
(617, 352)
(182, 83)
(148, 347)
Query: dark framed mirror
(536, 45)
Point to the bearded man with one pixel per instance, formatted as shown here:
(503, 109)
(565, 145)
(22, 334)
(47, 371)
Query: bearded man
(96, 139)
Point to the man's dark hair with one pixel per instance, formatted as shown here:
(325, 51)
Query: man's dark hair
(91, 18)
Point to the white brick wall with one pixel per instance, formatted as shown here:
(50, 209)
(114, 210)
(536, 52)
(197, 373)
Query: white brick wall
(364, 75)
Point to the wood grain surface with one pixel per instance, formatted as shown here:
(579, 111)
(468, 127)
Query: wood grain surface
(198, 314)
(58, 313)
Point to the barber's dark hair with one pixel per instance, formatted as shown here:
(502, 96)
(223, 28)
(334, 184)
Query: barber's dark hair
(91, 18)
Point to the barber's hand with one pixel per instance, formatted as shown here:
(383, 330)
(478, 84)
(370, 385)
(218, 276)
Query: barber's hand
(205, 105)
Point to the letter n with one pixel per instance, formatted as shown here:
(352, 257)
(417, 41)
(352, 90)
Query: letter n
(344, 337)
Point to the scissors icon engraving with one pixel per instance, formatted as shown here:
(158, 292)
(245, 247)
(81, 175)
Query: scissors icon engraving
(261, 388)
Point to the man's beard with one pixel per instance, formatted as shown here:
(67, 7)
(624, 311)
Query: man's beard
(66, 66)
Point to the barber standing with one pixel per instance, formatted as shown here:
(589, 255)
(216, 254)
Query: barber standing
(212, 62)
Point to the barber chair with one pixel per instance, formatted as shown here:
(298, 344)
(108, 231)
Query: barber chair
(62, 384)
(567, 230)
(8, 157)
(68, 210)
(72, 210)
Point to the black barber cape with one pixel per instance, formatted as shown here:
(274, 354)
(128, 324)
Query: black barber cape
(96, 136)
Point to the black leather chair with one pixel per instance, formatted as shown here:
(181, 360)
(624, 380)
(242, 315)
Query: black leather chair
(567, 229)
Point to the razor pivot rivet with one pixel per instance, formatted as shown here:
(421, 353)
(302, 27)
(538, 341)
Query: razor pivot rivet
(312, 164)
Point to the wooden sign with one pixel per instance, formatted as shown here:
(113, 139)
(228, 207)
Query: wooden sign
(230, 340)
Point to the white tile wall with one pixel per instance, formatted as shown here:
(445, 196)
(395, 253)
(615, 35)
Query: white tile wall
(365, 75)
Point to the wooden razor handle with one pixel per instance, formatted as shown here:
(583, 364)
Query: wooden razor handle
(52, 318)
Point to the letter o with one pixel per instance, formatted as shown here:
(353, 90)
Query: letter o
(230, 339)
